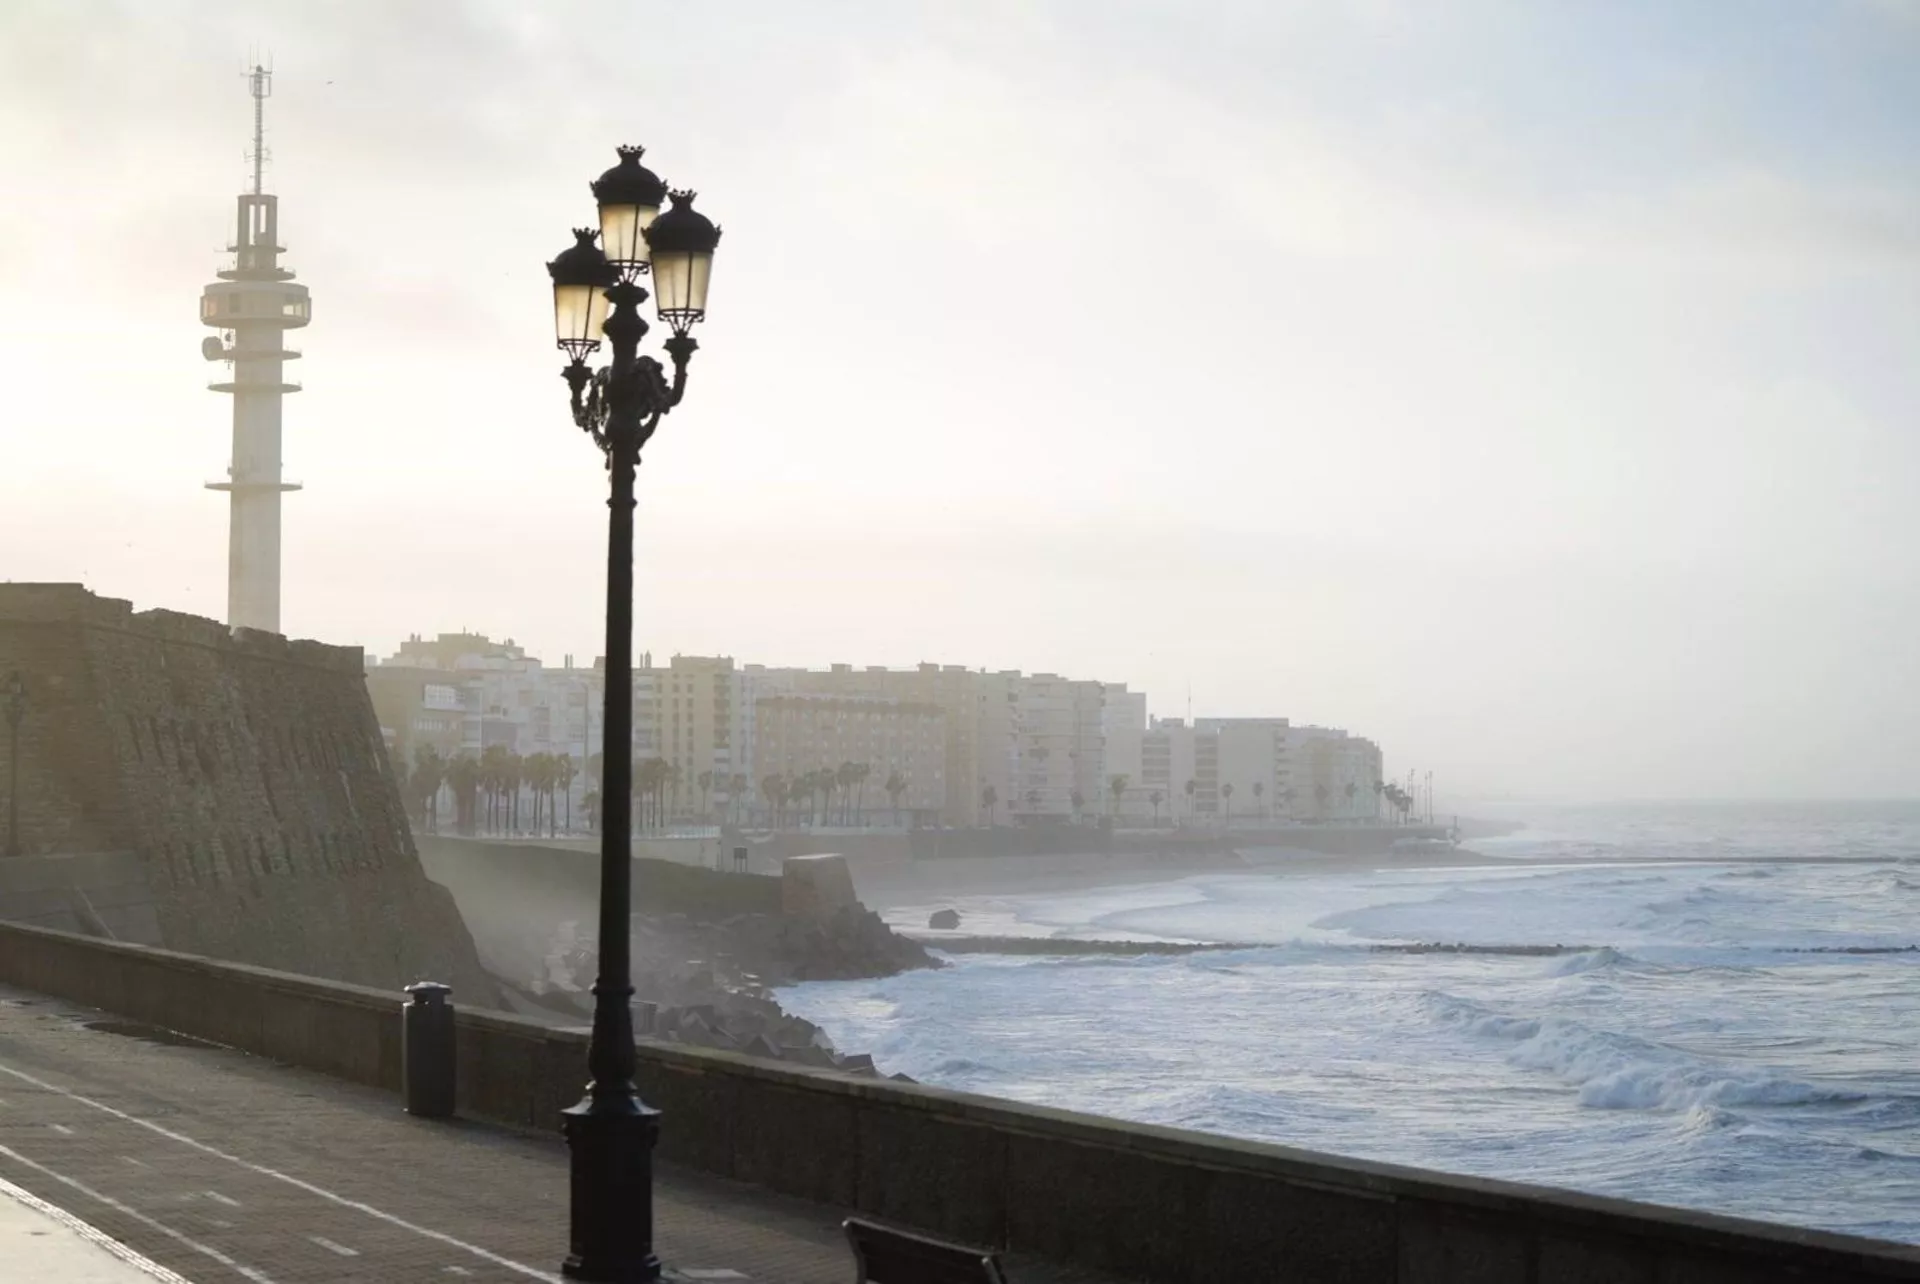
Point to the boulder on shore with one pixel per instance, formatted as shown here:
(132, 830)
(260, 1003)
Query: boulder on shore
(851, 944)
(945, 920)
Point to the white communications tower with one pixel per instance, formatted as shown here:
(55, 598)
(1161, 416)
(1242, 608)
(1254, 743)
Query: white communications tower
(253, 303)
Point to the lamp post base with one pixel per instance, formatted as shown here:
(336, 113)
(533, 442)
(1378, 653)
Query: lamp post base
(611, 1139)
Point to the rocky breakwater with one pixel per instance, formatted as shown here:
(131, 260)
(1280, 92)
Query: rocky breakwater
(709, 982)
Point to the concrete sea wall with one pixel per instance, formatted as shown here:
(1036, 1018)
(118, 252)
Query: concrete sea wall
(1151, 1203)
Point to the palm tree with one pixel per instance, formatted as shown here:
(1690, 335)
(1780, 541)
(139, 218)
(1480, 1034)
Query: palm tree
(1155, 799)
(549, 777)
(1226, 795)
(543, 801)
(493, 776)
(669, 784)
(844, 776)
(1118, 785)
(516, 776)
(1287, 796)
(1192, 785)
(550, 785)
(429, 773)
(564, 774)
(1259, 787)
(737, 796)
(650, 783)
(774, 790)
(596, 771)
(705, 781)
(1320, 797)
(803, 787)
(533, 773)
(990, 799)
(642, 793)
(1350, 791)
(860, 774)
(463, 774)
(895, 786)
(1078, 800)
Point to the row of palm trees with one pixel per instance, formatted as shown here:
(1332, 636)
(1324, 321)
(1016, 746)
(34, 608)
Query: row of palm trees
(504, 792)
(656, 795)
(489, 788)
(1399, 799)
(827, 795)
(488, 792)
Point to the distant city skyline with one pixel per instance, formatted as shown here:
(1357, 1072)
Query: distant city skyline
(1533, 386)
(947, 743)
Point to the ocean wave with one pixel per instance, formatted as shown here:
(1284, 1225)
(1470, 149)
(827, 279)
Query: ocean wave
(1613, 1071)
(1590, 961)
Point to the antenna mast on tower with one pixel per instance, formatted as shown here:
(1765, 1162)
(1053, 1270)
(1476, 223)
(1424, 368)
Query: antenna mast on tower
(260, 85)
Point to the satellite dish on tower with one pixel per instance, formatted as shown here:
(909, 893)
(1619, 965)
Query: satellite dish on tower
(213, 349)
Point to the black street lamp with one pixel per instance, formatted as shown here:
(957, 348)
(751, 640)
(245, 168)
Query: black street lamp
(611, 1133)
(16, 692)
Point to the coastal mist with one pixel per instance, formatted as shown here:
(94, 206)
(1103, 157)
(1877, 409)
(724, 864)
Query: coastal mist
(1708, 1007)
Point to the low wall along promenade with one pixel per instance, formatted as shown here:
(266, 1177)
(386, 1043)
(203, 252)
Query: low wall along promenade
(1153, 1203)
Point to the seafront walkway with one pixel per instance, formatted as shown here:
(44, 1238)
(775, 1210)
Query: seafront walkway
(130, 1155)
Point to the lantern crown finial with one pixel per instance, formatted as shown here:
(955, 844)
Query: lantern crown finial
(683, 228)
(629, 182)
(582, 263)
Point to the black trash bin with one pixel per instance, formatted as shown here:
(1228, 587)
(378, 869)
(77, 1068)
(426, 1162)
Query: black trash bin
(426, 1050)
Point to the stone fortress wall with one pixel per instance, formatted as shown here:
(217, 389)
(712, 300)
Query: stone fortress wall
(221, 792)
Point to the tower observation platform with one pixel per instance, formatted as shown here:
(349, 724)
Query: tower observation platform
(253, 304)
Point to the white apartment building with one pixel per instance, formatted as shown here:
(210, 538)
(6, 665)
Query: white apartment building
(1253, 759)
(1047, 741)
(900, 742)
(1123, 730)
(1334, 775)
(696, 714)
(1174, 755)
(980, 712)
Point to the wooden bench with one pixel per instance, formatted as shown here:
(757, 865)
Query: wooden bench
(884, 1255)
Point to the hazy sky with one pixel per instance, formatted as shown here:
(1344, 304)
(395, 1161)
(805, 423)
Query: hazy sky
(1534, 387)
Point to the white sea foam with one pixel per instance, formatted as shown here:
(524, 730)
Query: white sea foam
(1692, 1053)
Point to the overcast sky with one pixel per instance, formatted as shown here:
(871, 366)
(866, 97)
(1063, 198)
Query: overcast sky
(1533, 387)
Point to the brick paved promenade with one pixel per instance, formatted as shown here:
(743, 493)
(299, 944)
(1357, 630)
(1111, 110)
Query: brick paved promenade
(222, 1166)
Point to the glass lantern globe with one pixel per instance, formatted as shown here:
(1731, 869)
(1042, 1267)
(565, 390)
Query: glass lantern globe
(581, 275)
(682, 242)
(629, 196)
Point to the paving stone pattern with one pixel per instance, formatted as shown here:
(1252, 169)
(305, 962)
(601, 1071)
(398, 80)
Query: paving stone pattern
(227, 1167)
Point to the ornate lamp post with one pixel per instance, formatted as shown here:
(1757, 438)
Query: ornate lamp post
(16, 693)
(611, 1133)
